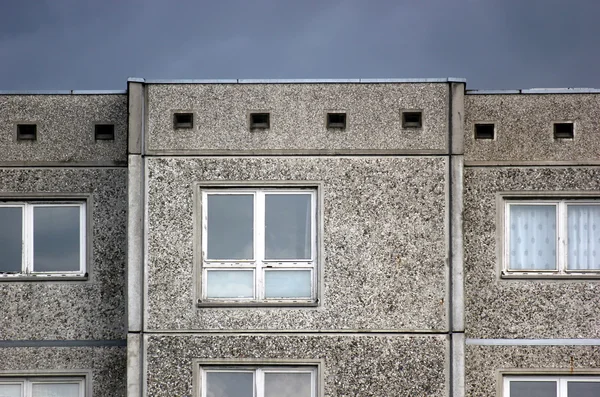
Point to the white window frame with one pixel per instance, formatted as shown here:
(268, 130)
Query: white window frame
(28, 382)
(259, 264)
(27, 222)
(259, 376)
(561, 382)
(561, 268)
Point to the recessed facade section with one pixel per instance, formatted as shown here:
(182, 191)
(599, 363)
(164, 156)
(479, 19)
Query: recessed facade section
(564, 130)
(485, 131)
(26, 132)
(336, 120)
(104, 132)
(260, 121)
(183, 121)
(412, 119)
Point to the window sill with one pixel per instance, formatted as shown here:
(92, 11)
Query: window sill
(551, 276)
(42, 277)
(282, 303)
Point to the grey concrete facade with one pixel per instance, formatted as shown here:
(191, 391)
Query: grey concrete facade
(55, 326)
(411, 296)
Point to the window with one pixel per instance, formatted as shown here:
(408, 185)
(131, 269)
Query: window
(183, 120)
(42, 238)
(259, 245)
(551, 386)
(26, 132)
(552, 236)
(336, 120)
(484, 131)
(104, 132)
(259, 382)
(42, 387)
(563, 131)
(260, 121)
(412, 119)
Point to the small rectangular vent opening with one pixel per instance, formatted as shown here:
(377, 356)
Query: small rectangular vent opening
(336, 120)
(484, 131)
(26, 132)
(563, 131)
(183, 120)
(260, 121)
(104, 132)
(412, 119)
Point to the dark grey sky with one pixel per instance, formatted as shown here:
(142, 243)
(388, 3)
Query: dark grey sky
(85, 44)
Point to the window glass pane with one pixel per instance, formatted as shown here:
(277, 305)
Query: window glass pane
(583, 244)
(230, 284)
(56, 235)
(287, 284)
(288, 384)
(288, 226)
(584, 389)
(229, 384)
(533, 389)
(55, 390)
(532, 237)
(11, 239)
(230, 226)
(10, 390)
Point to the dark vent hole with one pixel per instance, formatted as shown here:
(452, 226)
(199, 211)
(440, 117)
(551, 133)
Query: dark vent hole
(336, 120)
(26, 132)
(260, 121)
(104, 132)
(183, 120)
(411, 120)
(563, 130)
(484, 131)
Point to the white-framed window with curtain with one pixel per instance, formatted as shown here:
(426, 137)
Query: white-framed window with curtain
(259, 245)
(551, 386)
(42, 387)
(555, 237)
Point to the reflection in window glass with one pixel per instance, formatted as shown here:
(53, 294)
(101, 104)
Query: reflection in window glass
(230, 283)
(533, 389)
(229, 384)
(230, 226)
(288, 226)
(287, 283)
(10, 390)
(288, 384)
(11, 237)
(584, 389)
(55, 390)
(56, 238)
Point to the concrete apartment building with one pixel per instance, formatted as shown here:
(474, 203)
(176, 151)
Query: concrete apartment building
(300, 238)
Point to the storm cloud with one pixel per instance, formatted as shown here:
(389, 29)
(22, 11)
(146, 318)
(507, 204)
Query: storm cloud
(500, 44)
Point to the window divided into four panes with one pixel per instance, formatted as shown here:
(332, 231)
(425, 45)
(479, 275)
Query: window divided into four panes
(551, 386)
(556, 236)
(259, 382)
(42, 238)
(259, 244)
(42, 387)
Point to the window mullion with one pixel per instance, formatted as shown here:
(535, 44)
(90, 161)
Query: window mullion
(28, 238)
(259, 379)
(562, 390)
(259, 243)
(562, 230)
(27, 388)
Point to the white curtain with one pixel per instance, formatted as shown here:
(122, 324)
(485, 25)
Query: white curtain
(532, 237)
(583, 237)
